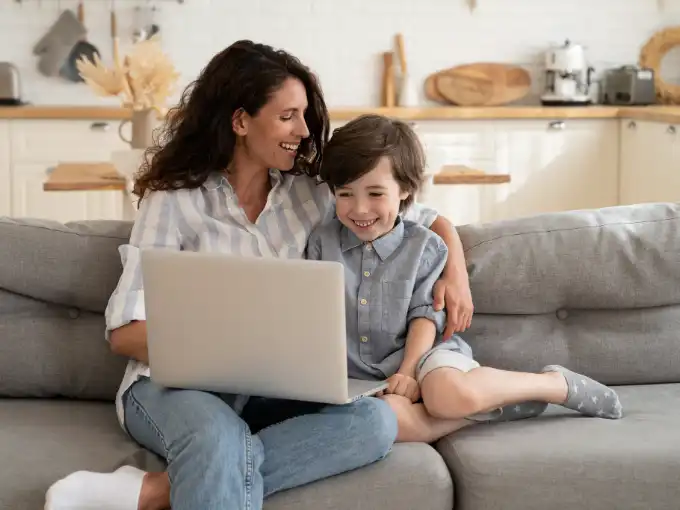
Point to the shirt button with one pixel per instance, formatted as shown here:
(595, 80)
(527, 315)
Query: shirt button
(367, 273)
(562, 314)
(364, 339)
(369, 247)
(363, 301)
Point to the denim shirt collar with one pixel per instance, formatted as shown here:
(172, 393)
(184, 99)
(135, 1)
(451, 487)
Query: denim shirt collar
(384, 246)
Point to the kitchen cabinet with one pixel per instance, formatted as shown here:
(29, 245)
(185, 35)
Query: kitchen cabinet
(554, 166)
(5, 193)
(38, 145)
(650, 162)
(471, 143)
(29, 199)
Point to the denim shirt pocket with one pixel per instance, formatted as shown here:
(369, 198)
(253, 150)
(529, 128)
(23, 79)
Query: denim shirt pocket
(396, 297)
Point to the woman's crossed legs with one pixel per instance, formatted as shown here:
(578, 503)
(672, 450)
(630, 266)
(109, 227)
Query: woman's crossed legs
(214, 459)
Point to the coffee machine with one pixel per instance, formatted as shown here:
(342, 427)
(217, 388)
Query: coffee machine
(567, 76)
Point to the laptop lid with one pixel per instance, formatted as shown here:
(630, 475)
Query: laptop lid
(256, 326)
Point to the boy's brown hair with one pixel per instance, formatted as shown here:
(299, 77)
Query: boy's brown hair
(356, 148)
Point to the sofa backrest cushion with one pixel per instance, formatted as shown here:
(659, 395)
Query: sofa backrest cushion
(595, 290)
(55, 282)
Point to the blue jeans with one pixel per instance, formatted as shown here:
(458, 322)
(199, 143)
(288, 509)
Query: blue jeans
(216, 460)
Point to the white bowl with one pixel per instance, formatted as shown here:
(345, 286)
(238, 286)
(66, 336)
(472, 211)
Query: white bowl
(126, 163)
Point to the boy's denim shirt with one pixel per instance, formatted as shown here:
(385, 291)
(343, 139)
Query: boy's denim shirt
(388, 283)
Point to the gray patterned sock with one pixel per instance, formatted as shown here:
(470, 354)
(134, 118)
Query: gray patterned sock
(588, 396)
(512, 412)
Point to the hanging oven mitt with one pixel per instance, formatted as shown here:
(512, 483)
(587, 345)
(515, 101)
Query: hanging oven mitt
(55, 46)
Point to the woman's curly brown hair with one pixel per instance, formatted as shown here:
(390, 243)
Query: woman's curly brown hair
(197, 138)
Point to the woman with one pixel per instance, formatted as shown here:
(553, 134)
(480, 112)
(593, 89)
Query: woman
(235, 171)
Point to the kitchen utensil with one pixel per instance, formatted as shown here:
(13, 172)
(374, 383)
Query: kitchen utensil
(567, 76)
(55, 46)
(82, 49)
(408, 94)
(115, 44)
(629, 85)
(10, 85)
(388, 86)
(145, 22)
(431, 91)
(483, 84)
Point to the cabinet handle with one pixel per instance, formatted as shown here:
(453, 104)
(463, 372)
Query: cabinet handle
(671, 130)
(99, 126)
(632, 125)
(557, 125)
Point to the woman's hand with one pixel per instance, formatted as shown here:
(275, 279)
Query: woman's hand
(454, 295)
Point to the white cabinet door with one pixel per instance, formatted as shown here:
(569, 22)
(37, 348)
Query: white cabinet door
(650, 162)
(471, 143)
(554, 166)
(53, 141)
(5, 193)
(29, 199)
(39, 145)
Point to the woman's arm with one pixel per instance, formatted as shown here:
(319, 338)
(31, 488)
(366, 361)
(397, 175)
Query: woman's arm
(455, 267)
(155, 227)
(130, 341)
(453, 289)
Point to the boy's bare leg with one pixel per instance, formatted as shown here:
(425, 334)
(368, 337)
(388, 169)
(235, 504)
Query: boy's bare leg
(416, 425)
(450, 393)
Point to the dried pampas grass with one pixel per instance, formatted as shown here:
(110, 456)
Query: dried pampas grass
(144, 80)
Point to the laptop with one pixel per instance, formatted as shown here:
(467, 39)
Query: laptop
(254, 326)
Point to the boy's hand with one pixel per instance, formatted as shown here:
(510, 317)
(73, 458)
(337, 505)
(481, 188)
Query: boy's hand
(455, 296)
(404, 385)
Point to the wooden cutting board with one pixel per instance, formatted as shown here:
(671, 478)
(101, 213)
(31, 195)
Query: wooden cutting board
(479, 84)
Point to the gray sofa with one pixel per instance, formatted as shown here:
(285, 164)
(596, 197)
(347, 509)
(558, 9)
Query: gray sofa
(596, 291)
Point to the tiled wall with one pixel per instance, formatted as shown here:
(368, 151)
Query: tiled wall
(342, 40)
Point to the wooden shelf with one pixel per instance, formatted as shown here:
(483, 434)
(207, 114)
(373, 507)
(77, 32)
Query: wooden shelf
(461, 174)
(670, 114)
(84, 177)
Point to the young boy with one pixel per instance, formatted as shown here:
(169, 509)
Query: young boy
(374, 166)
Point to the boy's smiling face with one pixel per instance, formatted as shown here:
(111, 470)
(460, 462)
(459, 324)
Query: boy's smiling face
(369, 206)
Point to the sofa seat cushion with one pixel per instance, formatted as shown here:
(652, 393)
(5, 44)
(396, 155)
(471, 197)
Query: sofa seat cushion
(44, 440)
(564, 461)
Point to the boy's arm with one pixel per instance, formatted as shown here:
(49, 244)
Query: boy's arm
(424, 321)
(419, 339)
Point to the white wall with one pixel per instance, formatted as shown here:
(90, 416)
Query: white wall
(342, 40)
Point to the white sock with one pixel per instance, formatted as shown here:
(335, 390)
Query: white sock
(85, 490)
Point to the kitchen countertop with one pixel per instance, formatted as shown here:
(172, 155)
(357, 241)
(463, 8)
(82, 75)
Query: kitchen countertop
(669, 114)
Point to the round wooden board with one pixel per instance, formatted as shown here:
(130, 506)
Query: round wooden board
(479, 84)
